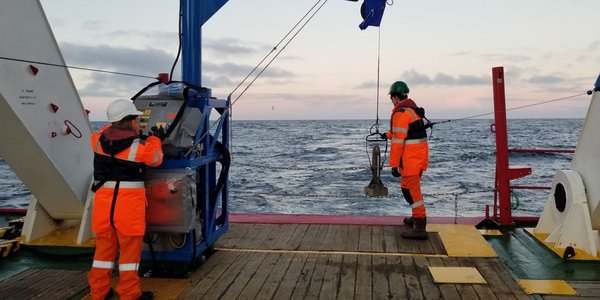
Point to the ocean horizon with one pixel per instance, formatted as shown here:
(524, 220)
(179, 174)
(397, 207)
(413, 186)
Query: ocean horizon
(322, 167)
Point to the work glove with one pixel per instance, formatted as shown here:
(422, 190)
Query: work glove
(383, 136)
(142, 135)
(395, 172)
(158, 132)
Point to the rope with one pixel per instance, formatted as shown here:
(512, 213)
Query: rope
(74, 67)
(179, 39)
(378, 72)
(515, 108)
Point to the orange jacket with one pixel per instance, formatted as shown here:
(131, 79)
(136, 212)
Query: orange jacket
(410, 155)
(127, 211)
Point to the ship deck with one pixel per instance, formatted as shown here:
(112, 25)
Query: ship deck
(326, 261)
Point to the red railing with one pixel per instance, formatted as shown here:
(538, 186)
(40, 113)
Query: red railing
(502, 212)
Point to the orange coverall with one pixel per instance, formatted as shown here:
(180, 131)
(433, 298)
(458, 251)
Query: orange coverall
(119, 221)
(409, 153)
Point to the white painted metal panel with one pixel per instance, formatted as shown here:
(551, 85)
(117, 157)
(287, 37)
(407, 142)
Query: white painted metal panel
(56, 166)
(586, 160)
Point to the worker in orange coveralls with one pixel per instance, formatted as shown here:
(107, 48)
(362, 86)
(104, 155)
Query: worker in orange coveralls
(409, 155)
(119, 213)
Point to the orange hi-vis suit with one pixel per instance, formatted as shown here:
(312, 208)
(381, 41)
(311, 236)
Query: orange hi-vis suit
(409, 152)
(119, 209)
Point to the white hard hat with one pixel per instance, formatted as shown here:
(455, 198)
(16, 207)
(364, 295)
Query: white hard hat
(121, 108)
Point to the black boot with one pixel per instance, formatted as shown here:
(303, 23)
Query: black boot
(410, 221)
(418, 232)
(146, 296)
(109, 295)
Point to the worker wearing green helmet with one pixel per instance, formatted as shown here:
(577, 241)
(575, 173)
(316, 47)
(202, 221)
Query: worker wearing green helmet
(400, 88)
(409, 155)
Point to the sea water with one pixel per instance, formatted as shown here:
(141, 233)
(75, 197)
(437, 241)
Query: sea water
(322, 167)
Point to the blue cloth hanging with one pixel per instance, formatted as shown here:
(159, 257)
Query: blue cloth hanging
(371, 12)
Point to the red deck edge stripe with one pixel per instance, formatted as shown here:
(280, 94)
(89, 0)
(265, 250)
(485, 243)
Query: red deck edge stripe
(7, 210)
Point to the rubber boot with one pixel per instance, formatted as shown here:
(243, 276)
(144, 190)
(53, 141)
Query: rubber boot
(410, 221)
(146, 296)
(418, 232)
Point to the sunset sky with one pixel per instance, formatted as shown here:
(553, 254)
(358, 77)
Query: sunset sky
(444, 50)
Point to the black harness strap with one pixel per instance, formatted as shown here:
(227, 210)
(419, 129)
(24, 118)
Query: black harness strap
(115, 192)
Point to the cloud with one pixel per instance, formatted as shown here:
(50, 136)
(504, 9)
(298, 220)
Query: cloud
(509, 58)
(545, 79)
(94, 24)
(231, 46)
(150, 62)
(146, 62)
(413, 77)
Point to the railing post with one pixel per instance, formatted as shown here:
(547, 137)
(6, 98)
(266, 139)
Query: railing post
(502, 171)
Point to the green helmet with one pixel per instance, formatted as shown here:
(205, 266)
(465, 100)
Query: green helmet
(399, 87)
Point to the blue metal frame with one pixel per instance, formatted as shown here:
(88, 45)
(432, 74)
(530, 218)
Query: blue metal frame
(215, 223)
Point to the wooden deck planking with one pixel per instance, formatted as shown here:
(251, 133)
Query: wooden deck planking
(331, 279)
(364, 278)
(465, 290)
(390, 243)
(363, 266)
(483, 290)
(205, 279)
(448, 290)
(411, 278)
(429, 288)
(69, 285)
(346, 285)
(255, 283)
(296, 239)
(396, 278)
(380, 277)
(272, 282)
(318, 277)
(288, 282)
(324, 237)
(263, 275)
(43, 284)
(304, 278)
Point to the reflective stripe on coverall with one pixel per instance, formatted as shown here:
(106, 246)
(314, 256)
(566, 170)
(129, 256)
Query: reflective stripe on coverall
(128, 219)
(410, 156)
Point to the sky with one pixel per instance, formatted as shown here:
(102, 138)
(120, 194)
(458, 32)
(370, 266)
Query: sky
(444, 50)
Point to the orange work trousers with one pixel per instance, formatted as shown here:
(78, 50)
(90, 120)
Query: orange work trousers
(411, 189)
(107, 245)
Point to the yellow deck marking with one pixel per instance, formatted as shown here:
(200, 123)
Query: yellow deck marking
(64, 237)
(463, 240)
(547, 287)
(490, 232)
(163, 288)
(468, 275)
(579, 254)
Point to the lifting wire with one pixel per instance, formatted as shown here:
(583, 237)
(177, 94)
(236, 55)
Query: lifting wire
(376, 133)
(230, 108)
(589, 92)
(75, 67)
